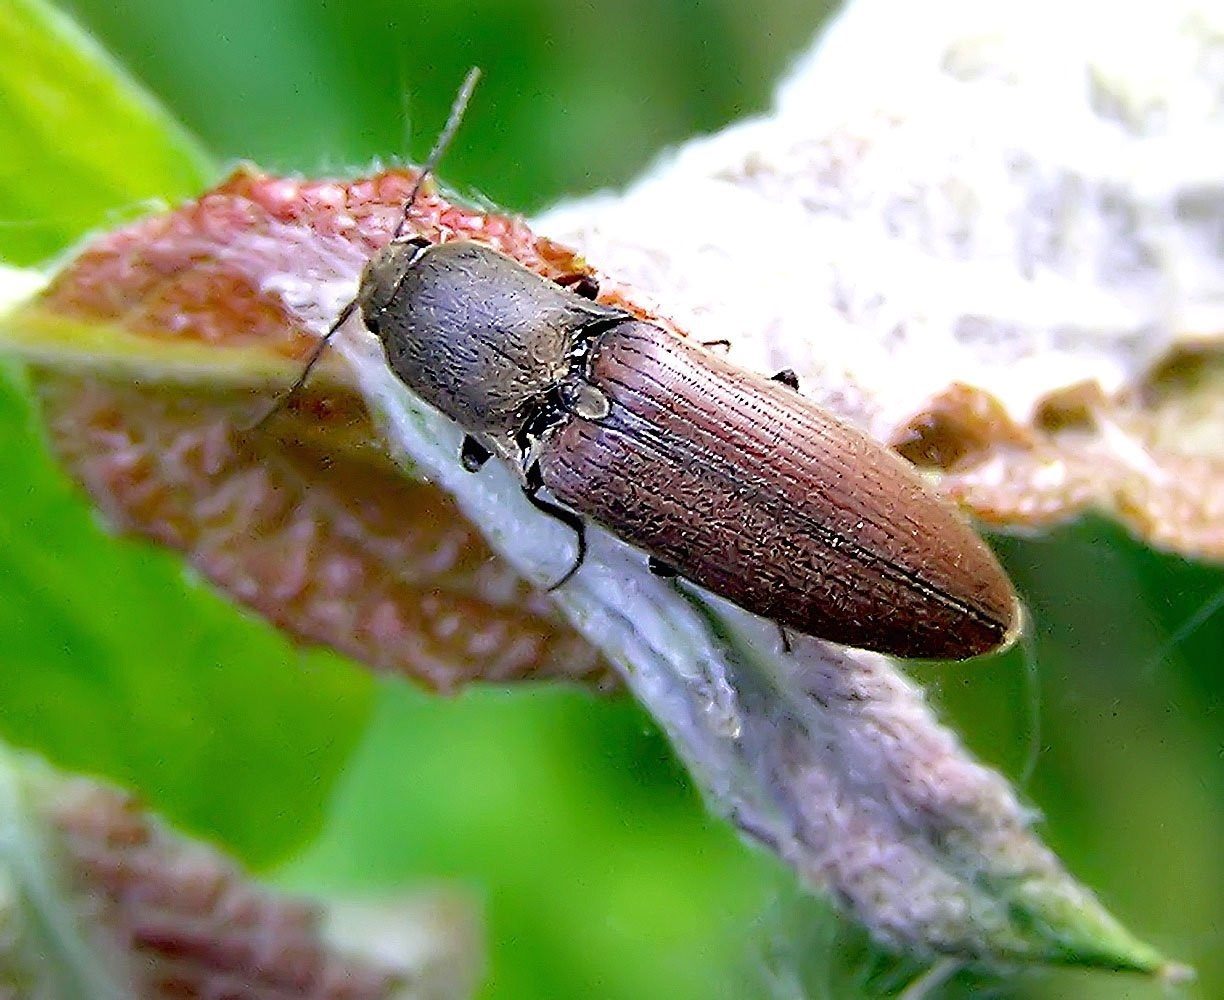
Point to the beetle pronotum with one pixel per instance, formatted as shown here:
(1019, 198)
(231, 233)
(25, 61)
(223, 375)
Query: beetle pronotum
(729, 479)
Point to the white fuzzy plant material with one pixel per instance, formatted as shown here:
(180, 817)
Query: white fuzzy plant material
(982, 230)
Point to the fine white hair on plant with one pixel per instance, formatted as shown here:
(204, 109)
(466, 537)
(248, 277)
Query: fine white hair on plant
(1015, 197)
(829, 757)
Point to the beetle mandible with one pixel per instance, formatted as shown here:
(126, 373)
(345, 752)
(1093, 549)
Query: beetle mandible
(731, 480)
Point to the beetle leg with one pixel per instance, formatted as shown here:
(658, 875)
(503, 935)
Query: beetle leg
(659, 568)
(473, 454)
(786, 643)
(721, 342)
(787, 377)
(420, 242)
(534, 483)
(580, 284)
(759, 832)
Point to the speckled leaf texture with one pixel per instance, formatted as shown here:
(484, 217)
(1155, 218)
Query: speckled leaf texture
(306, 521)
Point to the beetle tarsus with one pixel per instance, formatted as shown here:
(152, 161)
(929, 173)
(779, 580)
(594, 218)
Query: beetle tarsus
(785, 637)
(535, 482)
(580, 284)
(659, 568)
(787, 377)
(473, 454)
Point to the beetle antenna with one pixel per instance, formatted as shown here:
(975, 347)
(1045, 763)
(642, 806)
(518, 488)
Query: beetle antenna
(458, 107)
(313, 360)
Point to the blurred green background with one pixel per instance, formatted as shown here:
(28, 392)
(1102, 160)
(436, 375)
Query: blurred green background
(600, 874)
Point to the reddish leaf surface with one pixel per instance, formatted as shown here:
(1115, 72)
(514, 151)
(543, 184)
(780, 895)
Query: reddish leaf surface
(305, 521)
(195, 274)
(1151, 458)
(167, 917)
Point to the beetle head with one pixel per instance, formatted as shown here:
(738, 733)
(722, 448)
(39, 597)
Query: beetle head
(383, 275)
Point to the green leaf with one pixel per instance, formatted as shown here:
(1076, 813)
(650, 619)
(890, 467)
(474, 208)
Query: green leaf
(604, 874)
(113, 661)
(83, 144)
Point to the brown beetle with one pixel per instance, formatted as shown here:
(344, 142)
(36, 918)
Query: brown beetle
(726, 478)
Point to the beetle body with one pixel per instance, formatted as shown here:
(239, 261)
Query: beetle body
(736, 481)
(475, 334)
(759, 495)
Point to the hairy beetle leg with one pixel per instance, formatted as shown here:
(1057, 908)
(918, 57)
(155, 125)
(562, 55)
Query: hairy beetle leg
(534, 483)
(580, 284)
